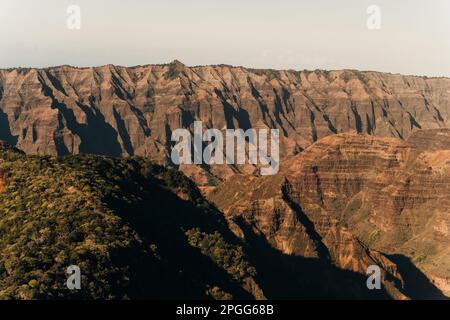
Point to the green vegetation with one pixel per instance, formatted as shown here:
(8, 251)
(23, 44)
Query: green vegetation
(420, 258)
(348, 75)
(229, 257)
(269, 73)
(173, 72)
(374, 237)
(135, 229)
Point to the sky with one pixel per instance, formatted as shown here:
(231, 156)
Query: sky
(413, 38)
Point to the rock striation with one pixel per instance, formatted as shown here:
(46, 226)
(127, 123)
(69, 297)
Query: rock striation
(349, 197)
(115, 110)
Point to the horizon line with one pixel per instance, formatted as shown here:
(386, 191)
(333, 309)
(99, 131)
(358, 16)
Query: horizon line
(221, 65)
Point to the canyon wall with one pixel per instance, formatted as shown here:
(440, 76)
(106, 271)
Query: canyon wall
(116, 110)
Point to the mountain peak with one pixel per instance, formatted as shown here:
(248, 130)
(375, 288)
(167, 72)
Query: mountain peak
(178, 63)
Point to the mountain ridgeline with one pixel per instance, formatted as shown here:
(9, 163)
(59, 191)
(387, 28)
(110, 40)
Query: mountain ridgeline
(113, 110)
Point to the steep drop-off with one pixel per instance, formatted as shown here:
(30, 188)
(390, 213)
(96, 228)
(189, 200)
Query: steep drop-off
(352, 191)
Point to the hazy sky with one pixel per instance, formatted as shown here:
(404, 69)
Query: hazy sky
(414, 37)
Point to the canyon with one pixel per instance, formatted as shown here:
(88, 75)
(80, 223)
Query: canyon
(364, 173)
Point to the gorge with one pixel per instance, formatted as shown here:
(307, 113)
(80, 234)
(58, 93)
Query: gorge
(364, 179)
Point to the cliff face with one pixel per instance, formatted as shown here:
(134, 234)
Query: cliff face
(132, 111)
(350, 192)
(392, 194)
(265, 208)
